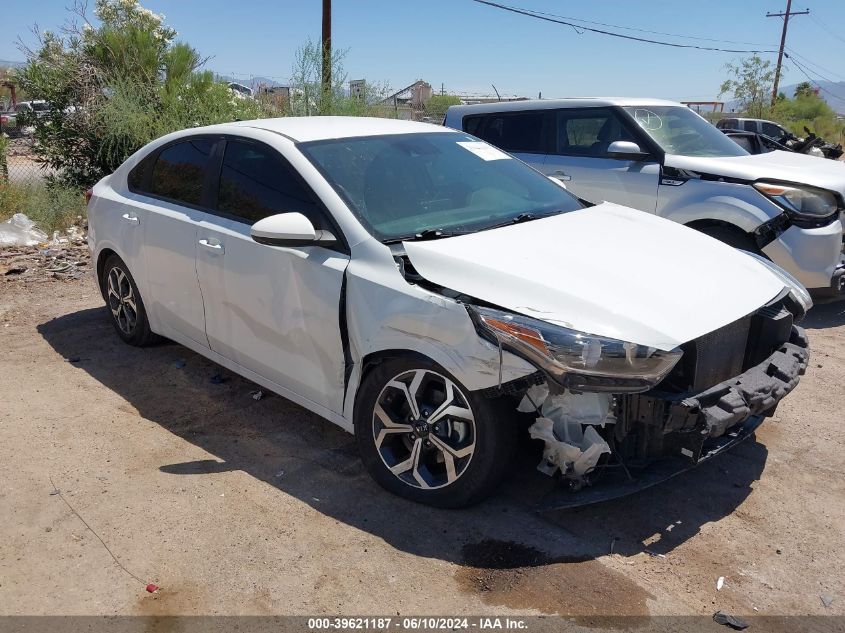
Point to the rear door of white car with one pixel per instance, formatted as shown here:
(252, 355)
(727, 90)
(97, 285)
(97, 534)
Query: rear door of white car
(578, 155)
(272, 310)
(170, 191)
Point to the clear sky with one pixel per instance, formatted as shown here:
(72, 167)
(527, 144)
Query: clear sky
(468, 46)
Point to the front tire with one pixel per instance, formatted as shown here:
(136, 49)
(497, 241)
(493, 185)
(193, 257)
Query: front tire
(125, 305)
(423, 436)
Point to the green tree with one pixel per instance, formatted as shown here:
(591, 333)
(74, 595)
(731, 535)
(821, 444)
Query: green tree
(309, 97)
(114, 87)
(438, 104)
(804, 89)
(750, 83)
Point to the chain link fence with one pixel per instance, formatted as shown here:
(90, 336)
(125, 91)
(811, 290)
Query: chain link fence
(18, 162)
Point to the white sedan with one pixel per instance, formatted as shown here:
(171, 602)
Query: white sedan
(415, 286)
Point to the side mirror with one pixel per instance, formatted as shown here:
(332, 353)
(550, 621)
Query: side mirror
(626, 150)
(289, 229)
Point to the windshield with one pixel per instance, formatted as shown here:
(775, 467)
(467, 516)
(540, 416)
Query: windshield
(680, 131)
(406, 184)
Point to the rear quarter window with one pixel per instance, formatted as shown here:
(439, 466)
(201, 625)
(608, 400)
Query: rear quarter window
(180, 169)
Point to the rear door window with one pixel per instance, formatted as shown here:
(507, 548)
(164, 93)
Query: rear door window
(749, 126)
(180, 170)
(256, 182)
(513, 132)
(772, 130)
(589, 132)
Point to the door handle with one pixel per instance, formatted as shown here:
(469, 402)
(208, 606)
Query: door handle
(214, 248)
(560, 175)
(132, 219)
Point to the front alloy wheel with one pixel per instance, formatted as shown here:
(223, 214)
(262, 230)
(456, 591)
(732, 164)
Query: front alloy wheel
(422, 435)
(424, 429)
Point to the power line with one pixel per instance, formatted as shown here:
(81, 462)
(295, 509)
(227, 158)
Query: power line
(547, 18)
(804, 71)
(809, 62)
(827, 28)
(639, 30)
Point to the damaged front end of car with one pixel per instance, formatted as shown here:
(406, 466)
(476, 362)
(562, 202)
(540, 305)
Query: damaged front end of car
(607, 407)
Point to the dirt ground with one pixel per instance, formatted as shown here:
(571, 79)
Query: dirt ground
(234, 505)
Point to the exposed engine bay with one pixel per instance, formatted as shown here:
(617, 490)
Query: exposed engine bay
(725, 378)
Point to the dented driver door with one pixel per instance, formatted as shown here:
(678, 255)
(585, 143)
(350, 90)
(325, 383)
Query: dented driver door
(272, 310)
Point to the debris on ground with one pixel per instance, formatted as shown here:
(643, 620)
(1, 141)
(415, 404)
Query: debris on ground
(826, 600)
(151, 588)
(19, 230)
(733, 621)
(257, 395)
(27, 255)
(720, 583)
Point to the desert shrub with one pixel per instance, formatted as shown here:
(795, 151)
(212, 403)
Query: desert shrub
(51, 207)
(113, 88)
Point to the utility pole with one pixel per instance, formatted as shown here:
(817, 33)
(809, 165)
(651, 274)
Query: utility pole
(785, 15)
(327, 46)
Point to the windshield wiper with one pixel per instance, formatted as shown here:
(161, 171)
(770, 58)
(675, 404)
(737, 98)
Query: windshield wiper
(422, 236)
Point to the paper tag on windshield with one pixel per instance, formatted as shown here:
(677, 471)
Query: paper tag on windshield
(483, 150)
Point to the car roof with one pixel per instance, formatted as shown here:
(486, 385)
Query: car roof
(546, 104)
(318, 128)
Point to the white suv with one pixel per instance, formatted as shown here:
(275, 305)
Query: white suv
(660, 157)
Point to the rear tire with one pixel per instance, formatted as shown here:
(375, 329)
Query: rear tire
(423, 436)
(126, 308)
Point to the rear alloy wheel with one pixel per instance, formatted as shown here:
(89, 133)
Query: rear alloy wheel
(424, 437)
(124, 303)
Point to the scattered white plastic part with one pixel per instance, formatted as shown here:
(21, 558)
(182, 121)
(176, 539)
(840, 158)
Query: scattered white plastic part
(720, 583)
(568, 447)
(533, 399)
(257, 395)
(19, 230)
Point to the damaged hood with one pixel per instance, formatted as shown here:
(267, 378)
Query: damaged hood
(788, 166)
(606, 270)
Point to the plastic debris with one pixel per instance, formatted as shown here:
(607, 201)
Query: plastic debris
(151, 588)
(568, 447)
(19, 230)
(720, 583)
(826, 600)
(257, 395)
(733, 621)
(533, 399)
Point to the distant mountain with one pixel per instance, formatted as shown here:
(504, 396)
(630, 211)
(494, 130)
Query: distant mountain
(8, 64)
(253, 83)
(833, 92)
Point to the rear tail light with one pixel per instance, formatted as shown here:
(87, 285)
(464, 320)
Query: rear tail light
(88, 194)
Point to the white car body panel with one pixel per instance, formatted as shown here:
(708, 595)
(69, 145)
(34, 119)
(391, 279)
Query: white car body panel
(589, 285)
(778, 165)
(273, 310)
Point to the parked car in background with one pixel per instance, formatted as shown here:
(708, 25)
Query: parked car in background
(754, 143)
(660, 157)
(758, 126)
(413, 284)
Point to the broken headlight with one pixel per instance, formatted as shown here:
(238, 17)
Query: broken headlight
(576, 360)
(808, 203)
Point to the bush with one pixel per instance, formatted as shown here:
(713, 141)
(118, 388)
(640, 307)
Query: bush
(51, 207)
(114, 88)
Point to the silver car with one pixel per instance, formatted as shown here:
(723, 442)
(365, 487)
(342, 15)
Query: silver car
(660, 157)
